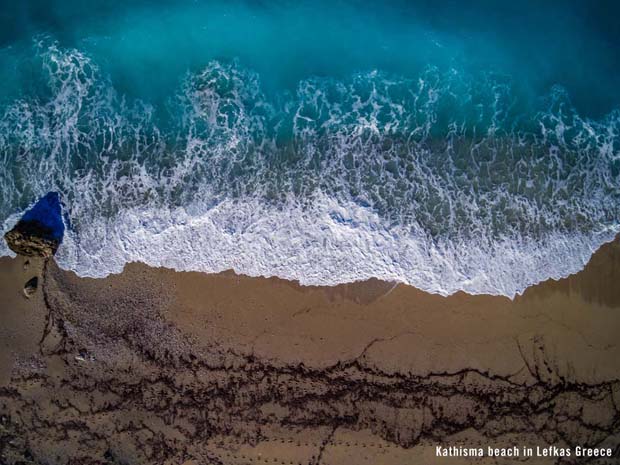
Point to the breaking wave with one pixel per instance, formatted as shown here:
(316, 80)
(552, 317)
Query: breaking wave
(446, 181)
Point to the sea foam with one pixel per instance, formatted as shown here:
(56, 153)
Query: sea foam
(446, 181)
(325, 244)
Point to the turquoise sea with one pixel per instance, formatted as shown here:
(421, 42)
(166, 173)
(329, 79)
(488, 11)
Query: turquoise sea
(449, 145)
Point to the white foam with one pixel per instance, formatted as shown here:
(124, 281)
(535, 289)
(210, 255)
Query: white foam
(389, 189)
(325, 244)
(7, 225)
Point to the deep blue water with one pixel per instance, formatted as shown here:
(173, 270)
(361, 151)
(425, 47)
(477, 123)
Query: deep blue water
(145, 46)
(449, 146)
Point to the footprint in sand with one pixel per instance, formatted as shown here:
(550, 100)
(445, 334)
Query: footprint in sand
(31, 286)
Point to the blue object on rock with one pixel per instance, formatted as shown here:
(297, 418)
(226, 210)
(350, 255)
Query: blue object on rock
(48, 213)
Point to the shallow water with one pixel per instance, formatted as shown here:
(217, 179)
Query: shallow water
(453, 149)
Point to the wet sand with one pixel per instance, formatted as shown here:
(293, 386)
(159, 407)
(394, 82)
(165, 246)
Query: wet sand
(156, 366)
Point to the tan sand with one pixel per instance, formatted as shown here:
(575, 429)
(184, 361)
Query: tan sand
(156, 366)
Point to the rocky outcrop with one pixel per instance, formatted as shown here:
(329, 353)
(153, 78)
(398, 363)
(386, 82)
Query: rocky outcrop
(39, 232)
(31, 239)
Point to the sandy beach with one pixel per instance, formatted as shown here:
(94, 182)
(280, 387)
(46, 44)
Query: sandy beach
(157, 366)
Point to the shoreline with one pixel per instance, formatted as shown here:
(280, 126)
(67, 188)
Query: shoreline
(184, 268)
(316, 248)
(595, 257)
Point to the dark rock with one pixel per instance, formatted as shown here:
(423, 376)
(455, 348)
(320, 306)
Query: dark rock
(40, 231)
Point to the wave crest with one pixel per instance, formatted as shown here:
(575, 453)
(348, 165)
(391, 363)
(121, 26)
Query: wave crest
(447, 181)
